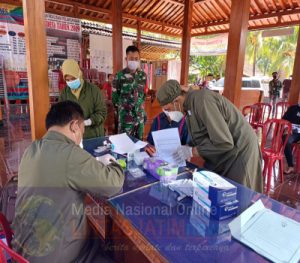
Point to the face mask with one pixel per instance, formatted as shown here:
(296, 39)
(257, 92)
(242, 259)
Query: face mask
(81, 144)
(133, 65)
(175, 116)
(74, 84)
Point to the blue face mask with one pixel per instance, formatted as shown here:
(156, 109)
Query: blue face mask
(74, 84)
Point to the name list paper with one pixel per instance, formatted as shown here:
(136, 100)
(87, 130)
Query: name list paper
(166, 144)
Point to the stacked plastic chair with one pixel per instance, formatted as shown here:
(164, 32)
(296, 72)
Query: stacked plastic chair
(259, 114)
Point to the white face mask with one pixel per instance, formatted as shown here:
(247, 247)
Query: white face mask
(175, 116)
(133, 65)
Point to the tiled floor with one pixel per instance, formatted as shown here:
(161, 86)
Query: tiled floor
(15, 137)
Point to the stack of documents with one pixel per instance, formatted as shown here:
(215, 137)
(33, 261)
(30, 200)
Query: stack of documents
(215, 194)
(270, 234)
(122, 144)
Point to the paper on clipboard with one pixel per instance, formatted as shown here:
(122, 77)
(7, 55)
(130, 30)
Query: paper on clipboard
(166, 144)
(123, 144)
(270, 234)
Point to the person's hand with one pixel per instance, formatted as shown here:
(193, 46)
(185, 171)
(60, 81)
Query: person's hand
(183, 153)
(88, 122)
(106, 159)
(150, 149)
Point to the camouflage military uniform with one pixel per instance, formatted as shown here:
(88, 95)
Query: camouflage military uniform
(275, 87)
(128, 97)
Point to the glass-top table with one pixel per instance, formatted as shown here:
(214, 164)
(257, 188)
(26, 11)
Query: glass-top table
(131, 183)
(182, 231)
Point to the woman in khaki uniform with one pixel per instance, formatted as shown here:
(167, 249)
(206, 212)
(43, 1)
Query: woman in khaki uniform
(219, 134)
(88, 96)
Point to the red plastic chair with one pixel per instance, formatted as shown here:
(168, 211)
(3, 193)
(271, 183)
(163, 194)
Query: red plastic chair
(246, 110)
(7, 253)
(273, 149)
(8, 233)
(283, 106)
(259, 114)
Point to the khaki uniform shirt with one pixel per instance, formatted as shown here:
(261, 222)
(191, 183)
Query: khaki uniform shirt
(54, 177)
(224, 138)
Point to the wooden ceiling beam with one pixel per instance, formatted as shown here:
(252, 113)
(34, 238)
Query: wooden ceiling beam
(252, 17)
(251, 28)
(142, 7)
(82, 6)
(95, 9)
(143, 28)
(256, 7)
(263, 4)
(199, 14)
(199, 1)
(150, 21)
(219, 9)
(209, 12)
(158, 11)
(169, 14)
(174, 2)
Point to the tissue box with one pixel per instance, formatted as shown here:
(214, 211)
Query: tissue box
(214, 187)
(219, 212)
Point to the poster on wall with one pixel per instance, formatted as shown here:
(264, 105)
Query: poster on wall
(101, 52)
(12, 46)
(13, 52)
(63, 41)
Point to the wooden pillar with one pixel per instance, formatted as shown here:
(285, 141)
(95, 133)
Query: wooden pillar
(237, 40)
(37, 65)
(138, 39)
(186, 41)
(295, 87)
(117, 35)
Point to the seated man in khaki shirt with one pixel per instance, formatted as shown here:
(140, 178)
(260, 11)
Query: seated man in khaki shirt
(54, 176)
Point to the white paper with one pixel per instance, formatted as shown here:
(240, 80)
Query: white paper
(166, 144)
(123, 144)
(270, 234)
(139, 145)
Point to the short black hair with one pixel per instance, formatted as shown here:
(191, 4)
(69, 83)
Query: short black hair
(275, 72)
(210, 75)
(62, 113)
(108, 75)
(132, 49)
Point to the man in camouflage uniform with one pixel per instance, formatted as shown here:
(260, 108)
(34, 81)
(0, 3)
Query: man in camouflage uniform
(275, 87)
(128, 95)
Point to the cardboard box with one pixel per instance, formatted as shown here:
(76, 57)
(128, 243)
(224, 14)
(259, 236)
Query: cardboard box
(218, 212)
(216, 188)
